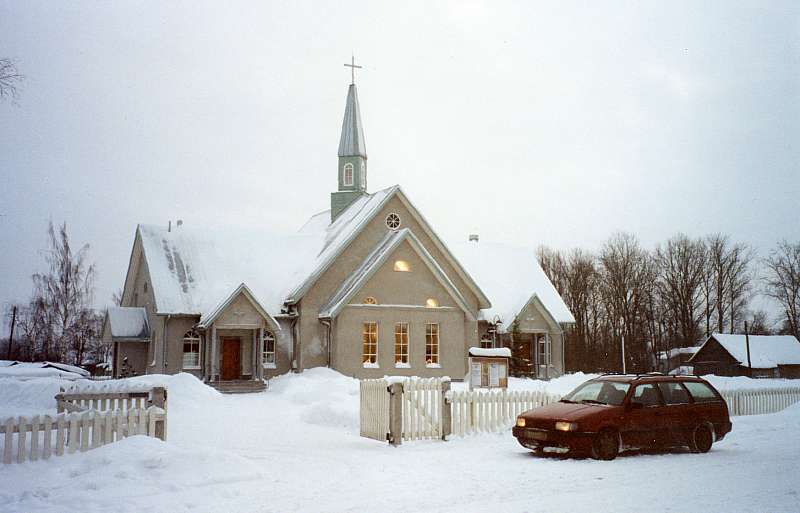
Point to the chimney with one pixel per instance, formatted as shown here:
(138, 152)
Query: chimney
(169, 225)
(473, 237)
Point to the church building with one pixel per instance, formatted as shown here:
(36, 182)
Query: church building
(367, 288)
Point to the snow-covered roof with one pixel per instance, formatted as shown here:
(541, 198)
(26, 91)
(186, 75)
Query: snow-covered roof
(501, 352)
(510, 276)
(766, 351)
(42, 369)
(128, 322)
(671, 353)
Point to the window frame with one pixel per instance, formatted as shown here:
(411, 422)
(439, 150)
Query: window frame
(432, 360)
(267, 334)
(192, 338)
(389, 224)
(348, 167)
(401, 344)
(369, 340)
(543, 342)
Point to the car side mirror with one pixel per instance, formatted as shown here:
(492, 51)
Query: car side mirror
(635, 406)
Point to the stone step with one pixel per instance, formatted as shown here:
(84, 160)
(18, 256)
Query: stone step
(239, 386)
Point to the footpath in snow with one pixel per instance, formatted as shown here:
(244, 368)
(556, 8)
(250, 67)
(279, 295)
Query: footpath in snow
(296, 447)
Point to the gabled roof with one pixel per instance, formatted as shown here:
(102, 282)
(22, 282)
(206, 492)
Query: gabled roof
(351, 143)
(211, 316)
(512, 277)
(377, 257)
(128, 323)
(348, 225)
(766, 351)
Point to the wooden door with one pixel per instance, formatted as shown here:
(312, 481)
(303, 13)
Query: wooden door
(231, 362)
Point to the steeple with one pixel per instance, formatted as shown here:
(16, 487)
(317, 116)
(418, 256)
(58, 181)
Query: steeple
(352, 168)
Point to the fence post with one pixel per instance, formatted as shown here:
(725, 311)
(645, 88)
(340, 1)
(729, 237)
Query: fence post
(447, 411)
(160, 401)
(396, 414)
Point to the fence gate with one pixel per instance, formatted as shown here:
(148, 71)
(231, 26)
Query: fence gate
(422, 409)
(374, 409)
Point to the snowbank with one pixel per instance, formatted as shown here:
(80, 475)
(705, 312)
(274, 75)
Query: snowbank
(31, 370)
(35, 396)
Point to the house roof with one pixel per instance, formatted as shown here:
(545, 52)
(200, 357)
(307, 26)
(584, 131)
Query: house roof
(128, 323)
(351, 142)
(511, 276)
(377, 257)
(766, 351)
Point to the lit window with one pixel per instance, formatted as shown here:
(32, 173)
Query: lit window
(369, 351)
(348, 174)
(370, 301)
(432, 344)
(402, 266)
(393, 221)
(431, 303)
(401, 344)
(268, 350)
(191, 350)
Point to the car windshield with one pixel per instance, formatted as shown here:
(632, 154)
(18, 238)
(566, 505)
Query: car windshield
(598, 392)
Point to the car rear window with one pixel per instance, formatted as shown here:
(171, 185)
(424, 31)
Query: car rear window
(701, 392)
(674, 393)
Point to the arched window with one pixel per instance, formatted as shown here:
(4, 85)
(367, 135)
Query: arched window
(431, 303)
(402, 266)
(369, 300)
(191, 350)
(268, 351)
(347, 179)
(363, 176)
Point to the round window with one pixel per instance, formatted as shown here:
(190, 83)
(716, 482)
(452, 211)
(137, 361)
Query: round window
(393, 221)
(370, 301)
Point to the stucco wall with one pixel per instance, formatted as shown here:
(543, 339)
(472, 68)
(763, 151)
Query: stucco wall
(312, 334)
(347, 347)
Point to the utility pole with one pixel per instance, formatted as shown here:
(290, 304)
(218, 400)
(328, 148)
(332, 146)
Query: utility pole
(624, 368)
(747, 344)
(11, 336)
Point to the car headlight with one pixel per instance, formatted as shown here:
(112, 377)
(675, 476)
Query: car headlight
(566, 426)
(520, 422)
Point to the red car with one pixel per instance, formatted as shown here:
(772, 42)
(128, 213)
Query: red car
(614, 412)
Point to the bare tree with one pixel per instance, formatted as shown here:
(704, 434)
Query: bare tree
(782, 282)
(63, 294)
(681, 264)
(9, 79)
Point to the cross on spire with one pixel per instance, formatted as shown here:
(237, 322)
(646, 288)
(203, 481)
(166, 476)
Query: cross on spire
(353, 67)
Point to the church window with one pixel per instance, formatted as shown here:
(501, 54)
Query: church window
(191, 350)
(369, 351)
(432, 344)
(145, 286)
(393, 221)
(402, 266)
(363, 175)
(348, 174)
(370, 301)
(401, 344)
(268, 350)
(431, 303)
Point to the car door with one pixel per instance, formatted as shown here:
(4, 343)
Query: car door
(645, 424)
(678, 412)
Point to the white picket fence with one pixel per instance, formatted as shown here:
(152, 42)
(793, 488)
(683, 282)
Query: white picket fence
(759, 401)
(374, 410)
(45, 436)
(486, 411)
(429, 410)
(423, 401)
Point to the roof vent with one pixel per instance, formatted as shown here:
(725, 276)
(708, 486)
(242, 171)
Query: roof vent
(473, 237)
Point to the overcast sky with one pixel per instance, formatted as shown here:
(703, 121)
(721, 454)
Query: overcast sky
(527, 123)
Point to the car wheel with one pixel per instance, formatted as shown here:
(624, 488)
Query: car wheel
(702, 438)
(605, 445)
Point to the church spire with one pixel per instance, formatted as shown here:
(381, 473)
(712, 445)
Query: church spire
(352, 168)
(351, 143)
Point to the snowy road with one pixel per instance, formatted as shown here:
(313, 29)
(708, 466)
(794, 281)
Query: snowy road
(296, 448)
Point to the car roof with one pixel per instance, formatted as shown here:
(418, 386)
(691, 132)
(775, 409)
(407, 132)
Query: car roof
(651, 377)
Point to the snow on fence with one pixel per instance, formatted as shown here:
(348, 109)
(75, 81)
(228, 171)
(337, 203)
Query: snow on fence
(477, 411)
(85, 421)
(758, 401)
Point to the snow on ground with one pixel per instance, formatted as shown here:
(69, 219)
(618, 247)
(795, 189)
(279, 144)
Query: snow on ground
(296, 448)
